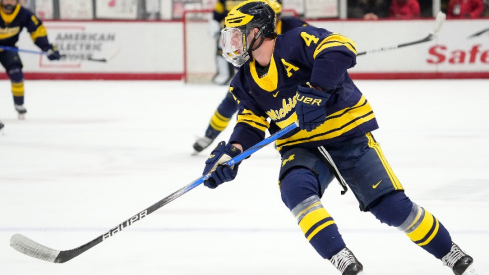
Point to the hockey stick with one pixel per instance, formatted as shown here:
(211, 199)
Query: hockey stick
(440, 19)
(31, 248)
(14, 49)
(479, 33)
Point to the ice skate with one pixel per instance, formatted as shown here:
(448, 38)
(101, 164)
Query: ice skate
(347, 263)
(202, 143)
(1, 125)
(21, 110)
(459, 262)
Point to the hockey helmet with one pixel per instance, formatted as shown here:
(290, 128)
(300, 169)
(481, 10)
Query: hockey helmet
(239, 22)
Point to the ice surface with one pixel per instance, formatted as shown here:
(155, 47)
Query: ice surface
(91, 154)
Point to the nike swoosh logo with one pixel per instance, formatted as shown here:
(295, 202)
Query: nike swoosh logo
(275, 94)
(375, 185)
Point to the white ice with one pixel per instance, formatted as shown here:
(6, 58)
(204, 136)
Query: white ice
(90, 154)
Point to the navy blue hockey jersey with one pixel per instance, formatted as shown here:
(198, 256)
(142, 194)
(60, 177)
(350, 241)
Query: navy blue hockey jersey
(12, 24)
(287, 23)
(301, 55)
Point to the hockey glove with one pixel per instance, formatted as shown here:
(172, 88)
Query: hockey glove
(53, 53)
(311, 107)
(221, 173)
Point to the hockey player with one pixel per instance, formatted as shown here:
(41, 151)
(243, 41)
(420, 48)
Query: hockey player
(302, 76)
(13, 19)
(228, 107)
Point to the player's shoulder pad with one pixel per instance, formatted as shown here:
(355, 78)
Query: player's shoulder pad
(292, 37)
(293, 21)
(297, 32)
(25, 11)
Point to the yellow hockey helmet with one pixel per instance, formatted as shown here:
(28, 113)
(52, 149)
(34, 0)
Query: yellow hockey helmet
(239, 22)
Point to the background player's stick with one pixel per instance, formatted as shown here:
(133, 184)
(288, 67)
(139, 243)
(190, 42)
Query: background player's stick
(440, 19)
(14, 49)
(479, 33)
(31, 248)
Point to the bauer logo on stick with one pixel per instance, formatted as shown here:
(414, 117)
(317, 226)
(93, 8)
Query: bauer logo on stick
(125, 224)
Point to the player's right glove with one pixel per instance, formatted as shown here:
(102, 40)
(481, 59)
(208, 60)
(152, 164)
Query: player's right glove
(311, 107)
(214, 165)
(53, 53)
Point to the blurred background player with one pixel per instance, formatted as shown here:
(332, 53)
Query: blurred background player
(225, 71)
(465, 9)
(404, 9)
(13, 19)
(228, 107)
(367, 9)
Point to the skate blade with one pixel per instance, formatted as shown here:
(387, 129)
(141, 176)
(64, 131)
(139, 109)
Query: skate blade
(21, 116)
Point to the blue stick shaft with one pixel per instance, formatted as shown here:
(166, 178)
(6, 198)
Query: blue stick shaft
(261, 144)
(14, 49)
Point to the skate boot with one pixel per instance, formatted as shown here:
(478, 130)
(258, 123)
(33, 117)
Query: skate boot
(459, 262)
(202, 143)
(347, 263)
(21, 110)
(1, 125)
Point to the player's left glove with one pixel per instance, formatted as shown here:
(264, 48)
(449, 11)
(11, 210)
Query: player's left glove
(53, 53)
(221, 173)
(311, 107)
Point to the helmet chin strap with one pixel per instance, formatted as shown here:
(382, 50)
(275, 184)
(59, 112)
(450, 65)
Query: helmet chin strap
(250, 49)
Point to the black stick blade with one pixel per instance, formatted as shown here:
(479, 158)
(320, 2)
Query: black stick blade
(30, 248)
(96, 59)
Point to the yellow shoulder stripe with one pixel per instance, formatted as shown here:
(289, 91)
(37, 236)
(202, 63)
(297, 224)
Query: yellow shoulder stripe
(40, 32)
(335, 40)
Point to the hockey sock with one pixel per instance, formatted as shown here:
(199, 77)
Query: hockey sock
(217, 124)
(221, 117)
(396, 209)
(212, 133)
(18, 93)
(228, 106)
(299, 190)
(17, 81)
